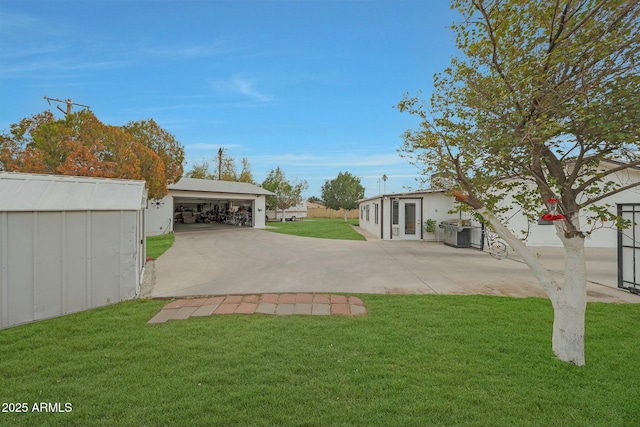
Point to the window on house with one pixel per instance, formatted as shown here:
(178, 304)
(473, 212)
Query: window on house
(394, 214)
(367, 212)
(375, 213)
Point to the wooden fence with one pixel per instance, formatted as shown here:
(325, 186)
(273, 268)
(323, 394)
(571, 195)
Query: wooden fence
(330, 213)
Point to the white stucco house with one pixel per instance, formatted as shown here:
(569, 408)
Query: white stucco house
(604, 235)
(403, 216)
(204, 195)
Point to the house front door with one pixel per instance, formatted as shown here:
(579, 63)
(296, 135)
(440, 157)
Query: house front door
(410, 221)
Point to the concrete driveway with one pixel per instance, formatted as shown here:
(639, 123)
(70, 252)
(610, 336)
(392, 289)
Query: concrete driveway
(249, 261)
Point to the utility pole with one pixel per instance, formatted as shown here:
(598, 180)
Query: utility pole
(69, 103)
(220, 151)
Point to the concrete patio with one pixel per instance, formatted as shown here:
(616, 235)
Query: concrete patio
(237, 261)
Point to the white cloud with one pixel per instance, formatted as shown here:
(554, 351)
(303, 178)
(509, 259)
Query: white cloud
(243, 86)
(246, 87)
(374, 160)
(289, 159)
(53, 66)
(218, 47)
(20, 26)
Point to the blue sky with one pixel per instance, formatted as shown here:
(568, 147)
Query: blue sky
(308, 86)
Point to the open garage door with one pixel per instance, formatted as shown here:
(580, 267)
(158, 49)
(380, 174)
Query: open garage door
(194, 201)
(192, 213)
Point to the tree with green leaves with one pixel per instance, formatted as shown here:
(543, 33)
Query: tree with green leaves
(228, 171)
(287, 194)
(245, 174)
(201, 170)
(163, 143)
(541, 104)
(342, 192)
(80, 144)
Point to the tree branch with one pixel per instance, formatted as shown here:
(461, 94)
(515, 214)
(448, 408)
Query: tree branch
(608, 194)
(604, 174)
(479, 4)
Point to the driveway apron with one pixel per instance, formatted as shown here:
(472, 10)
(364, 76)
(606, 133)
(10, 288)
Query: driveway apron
(250, 261)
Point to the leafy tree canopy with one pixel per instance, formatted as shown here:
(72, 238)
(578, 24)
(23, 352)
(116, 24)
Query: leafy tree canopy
(200, 171)
(228, 171)
(342, 192)
(161, 142)
(544, 93)
(79, 144)
(287, 193)
(245, 174)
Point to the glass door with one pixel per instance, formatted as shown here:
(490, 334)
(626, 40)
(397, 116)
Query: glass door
(410, 216)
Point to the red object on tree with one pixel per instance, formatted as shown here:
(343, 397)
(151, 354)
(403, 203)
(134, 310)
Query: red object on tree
(552, 217)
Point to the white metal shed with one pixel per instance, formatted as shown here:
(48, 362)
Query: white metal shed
(68, 244)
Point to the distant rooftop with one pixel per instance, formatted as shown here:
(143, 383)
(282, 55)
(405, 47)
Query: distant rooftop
(405, 194)
(217, 186)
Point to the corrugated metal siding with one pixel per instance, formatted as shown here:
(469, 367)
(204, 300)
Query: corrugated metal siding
(76, 259)
(54, 263)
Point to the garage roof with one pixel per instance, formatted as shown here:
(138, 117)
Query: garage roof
(34, 192)
(216, 186)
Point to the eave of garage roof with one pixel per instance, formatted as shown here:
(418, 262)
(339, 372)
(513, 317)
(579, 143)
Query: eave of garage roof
(216, 186)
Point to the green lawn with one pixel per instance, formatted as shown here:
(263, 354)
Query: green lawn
(157, 245)
(413, 360)
(326, 228)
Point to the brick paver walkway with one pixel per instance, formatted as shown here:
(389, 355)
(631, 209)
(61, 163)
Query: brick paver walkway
(277, 304)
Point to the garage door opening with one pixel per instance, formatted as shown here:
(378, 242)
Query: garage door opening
(192, 214)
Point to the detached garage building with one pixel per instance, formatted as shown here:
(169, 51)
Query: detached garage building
(202, 195)
(68, 244)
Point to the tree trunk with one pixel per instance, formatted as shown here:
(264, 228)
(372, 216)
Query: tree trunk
(569, 300)
(570, 304)
(345, 214)
(539, 271)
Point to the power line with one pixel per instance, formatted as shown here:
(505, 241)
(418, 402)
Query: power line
(68, 102)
